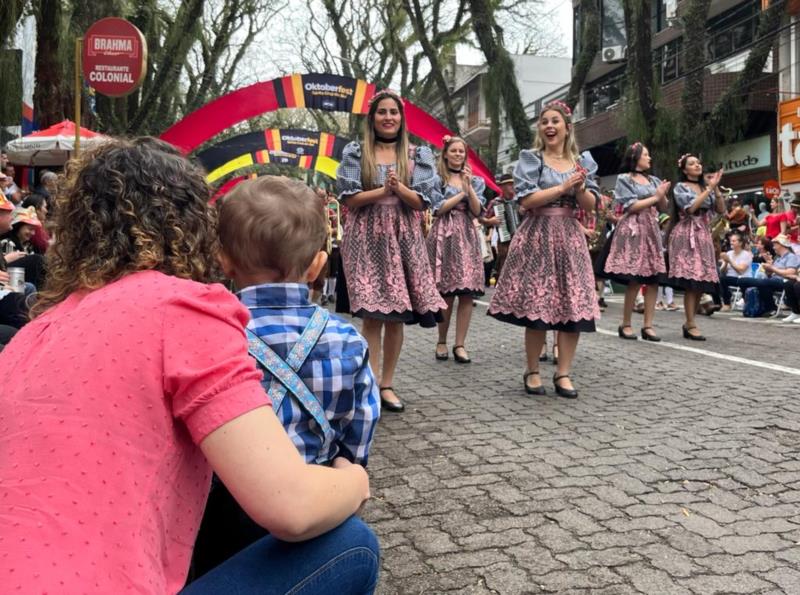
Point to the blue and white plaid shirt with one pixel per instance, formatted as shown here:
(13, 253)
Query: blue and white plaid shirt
(337, 371)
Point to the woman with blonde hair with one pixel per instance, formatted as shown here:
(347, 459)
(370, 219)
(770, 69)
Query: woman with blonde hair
(454, 247)
(384, 186)
(547, 282)
(143, 385)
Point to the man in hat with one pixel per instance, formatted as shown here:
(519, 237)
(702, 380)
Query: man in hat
(781, 271)
(490, 219)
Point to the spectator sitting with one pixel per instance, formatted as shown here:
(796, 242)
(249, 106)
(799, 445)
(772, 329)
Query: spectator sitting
(23, 227)
(793, 300)
(142, 386)
(10, 188)
(48, 184)
(41, 239)
(13, 309)
(271, 230)
(734, 263)
(779, 272)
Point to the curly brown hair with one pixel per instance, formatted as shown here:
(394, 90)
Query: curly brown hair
(129, 205)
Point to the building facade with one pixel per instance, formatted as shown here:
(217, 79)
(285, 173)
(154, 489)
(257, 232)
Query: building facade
(731, 30)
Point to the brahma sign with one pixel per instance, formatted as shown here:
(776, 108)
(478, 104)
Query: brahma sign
(114, 57)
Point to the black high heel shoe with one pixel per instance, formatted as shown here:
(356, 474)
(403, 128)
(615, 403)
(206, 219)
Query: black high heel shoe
(567, 393)
(394, 406)
(533, 390)
(688, 335)
(442, 356)
(461, 359)
(623, 335)
(650, 337)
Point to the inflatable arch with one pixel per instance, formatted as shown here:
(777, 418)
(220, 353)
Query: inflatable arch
(317, 91)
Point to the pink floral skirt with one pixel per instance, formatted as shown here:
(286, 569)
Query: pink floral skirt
(636, 253)
(386, 266)
(692, 261)
(547, 280)
(454, 252)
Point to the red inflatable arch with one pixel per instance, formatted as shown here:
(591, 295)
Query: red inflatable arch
(318, 91)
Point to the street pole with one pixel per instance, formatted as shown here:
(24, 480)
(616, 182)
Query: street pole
(78, 91)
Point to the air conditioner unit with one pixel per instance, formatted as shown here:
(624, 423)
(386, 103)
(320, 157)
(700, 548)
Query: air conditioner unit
(615, 53)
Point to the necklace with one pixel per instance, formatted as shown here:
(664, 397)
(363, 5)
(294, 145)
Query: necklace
(385, 139)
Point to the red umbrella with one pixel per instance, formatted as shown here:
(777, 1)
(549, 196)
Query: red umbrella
(51, 146)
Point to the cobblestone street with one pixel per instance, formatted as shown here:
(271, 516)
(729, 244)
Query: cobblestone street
(676, 471)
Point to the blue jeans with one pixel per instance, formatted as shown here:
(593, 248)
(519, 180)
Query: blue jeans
(345, 561)
(766, 287)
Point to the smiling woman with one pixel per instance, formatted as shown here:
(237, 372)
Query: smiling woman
(385, 188)
(547, 281)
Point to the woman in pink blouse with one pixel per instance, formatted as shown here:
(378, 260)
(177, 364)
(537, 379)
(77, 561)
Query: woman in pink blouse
(130, 385)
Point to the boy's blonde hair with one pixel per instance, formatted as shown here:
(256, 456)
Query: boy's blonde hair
(272, 223)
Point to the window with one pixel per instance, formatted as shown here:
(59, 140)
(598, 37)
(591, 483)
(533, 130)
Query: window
(605, 92)
(658, 16)
(732, 30)
(669, 60)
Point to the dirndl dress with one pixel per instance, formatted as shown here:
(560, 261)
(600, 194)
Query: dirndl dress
(454, 245)
(384, 257)
(690, 247)
(636, 252)
(547, 281)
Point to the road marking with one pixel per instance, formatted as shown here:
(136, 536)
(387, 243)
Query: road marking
(713, 354)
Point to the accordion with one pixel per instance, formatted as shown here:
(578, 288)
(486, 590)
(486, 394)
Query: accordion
(508, 214)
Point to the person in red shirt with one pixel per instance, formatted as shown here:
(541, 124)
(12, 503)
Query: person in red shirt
(777, 221)
(131, 383)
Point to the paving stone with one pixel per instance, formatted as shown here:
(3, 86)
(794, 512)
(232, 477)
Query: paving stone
(651, 580)
(788, 579)
(768, 542)
(735, 583)
(478, 488)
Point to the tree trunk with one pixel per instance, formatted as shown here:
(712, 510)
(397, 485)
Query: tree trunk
(417, 17)
(727, 118)
(590, 45)
(639, 69)
(501, 69)
(10, 13)
(158, 101)
(694, 20)
(51, 95)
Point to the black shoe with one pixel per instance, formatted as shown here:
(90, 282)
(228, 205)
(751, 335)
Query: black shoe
(323, 301)
(533, 390)
(460, 358)
(442, 356)
(688, 335)
(393, 406)
(602, 303)
(650, 337)
(624, 335)
(543, 357)
(567, 393)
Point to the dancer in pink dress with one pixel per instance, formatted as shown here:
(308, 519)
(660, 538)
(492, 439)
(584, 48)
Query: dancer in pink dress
(547, 282)
(636, 256)
(692, 261)
(386, 265)
(454, 244)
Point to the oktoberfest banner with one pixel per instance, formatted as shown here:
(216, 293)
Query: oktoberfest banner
(293, 141)
(329, 92)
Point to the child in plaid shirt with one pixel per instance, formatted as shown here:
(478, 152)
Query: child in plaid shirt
(271, 230)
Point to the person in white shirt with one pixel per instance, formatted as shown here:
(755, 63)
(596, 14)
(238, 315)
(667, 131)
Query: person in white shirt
(734, 263)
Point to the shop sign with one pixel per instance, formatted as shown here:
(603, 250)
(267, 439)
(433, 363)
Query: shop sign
(744, 156)
(789, 141)
(114, 57)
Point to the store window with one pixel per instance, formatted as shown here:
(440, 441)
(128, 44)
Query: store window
(669, 62)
